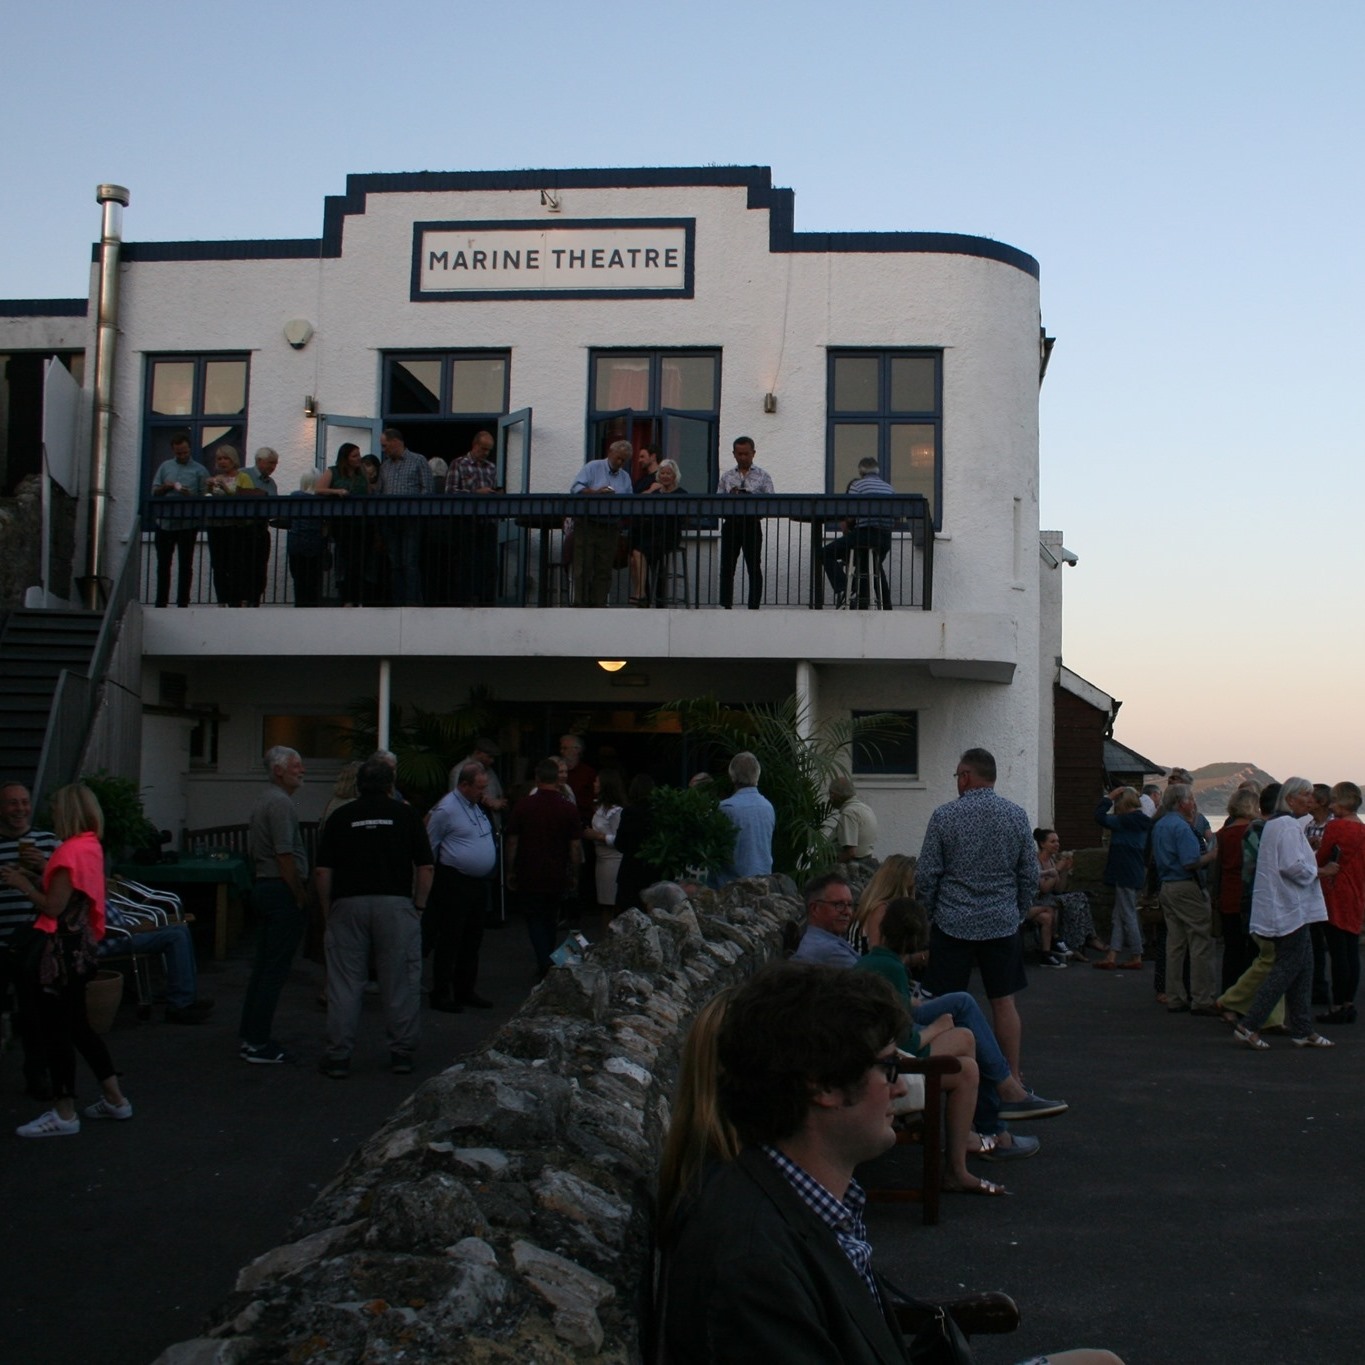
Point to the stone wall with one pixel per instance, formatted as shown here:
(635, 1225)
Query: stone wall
(504, 1213)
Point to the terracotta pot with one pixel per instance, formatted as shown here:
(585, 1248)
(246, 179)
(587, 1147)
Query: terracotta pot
(103, 992)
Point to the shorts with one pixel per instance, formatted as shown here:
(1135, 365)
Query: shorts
(951, 960)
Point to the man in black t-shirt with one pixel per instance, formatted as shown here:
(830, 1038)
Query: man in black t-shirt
(373, 879)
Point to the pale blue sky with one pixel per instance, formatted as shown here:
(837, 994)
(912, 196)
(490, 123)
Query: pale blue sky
(1188, 174)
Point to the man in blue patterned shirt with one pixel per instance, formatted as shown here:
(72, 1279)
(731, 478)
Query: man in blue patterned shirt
(977, 876)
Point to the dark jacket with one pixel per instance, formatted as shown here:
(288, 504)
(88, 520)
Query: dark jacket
(753, 1275)
(1129, 833)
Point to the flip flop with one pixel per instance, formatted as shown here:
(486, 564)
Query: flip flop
(982, 1187)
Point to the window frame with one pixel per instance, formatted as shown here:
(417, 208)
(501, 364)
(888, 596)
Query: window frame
(658, 412)
(197, 419)
(447, 357)
(861, 764)
(886, 417)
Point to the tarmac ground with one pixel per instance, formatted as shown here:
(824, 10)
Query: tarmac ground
(1198, 1203)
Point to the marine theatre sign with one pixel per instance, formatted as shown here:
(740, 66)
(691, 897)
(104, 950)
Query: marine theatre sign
(592, 258)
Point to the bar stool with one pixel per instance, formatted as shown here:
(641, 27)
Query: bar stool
(865, 578)
(671, 572)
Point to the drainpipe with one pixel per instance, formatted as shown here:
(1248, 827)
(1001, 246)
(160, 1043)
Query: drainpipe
(114, 199)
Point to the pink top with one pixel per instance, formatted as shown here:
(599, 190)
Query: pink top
(83, 858)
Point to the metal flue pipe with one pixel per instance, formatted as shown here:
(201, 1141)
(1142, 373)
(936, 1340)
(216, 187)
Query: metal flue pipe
(114, 199)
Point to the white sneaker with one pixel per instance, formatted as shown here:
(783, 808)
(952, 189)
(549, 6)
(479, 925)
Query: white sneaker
(51, 1124)
(1059, 947)
(102, 1109)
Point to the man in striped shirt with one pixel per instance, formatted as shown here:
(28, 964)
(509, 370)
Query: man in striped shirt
(869, 533)
(20, 843)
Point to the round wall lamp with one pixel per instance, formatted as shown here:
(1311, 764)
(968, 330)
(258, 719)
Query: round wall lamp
(611, 665)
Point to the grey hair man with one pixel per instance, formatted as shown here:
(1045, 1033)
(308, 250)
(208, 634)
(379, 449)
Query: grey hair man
(1180, 857)
(279, 899)
(461, 832)
(595, 537)
(754, 820)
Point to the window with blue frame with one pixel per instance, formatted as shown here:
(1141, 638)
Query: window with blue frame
(664, 398)
(894, 757)
(441, 399)
(887, 405)
(205, 395)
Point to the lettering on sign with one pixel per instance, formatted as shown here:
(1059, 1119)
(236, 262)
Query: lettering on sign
(584, 259)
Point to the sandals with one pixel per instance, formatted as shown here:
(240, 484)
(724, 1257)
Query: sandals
(1134, 964)
(982, 1187)
(1313, 1040)
(1105, 964)
(1258, 1044)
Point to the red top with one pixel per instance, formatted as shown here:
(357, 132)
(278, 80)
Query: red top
(1230, 867)
(83, 859)
(1344, 893)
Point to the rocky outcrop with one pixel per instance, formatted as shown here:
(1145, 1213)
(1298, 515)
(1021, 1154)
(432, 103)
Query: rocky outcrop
(504, 1213)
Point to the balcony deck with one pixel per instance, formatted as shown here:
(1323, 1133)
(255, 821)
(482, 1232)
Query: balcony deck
(511, 549)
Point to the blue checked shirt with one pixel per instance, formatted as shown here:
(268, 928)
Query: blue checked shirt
(844, 1218)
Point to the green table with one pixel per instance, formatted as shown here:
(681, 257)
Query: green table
(227, 874)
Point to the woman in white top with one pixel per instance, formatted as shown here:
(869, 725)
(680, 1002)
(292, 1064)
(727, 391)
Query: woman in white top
(1285, 899)
(610, 796)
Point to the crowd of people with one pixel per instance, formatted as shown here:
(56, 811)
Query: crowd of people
(790, 1082)
(405, 561)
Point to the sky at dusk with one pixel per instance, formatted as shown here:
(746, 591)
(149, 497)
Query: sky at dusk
(1188, 175)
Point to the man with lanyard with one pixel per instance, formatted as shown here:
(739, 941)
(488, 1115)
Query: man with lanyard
(466, 854)
(373, 879)
(279, 900)
(22, 846)
(477, 568)
(178, 477)
(742, 533)
(595, 538)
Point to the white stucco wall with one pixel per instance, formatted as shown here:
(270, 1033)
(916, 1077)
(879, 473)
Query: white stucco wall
(974, 666)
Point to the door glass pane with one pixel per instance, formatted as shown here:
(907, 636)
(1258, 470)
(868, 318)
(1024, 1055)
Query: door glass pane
(689, 382)
(513, 470)
(914, 458)
(855, 383)
(621, 381)
(912, 383)
(173, 388)
(415, 386)
(853, 441)
(688, 440)
(212, 437)
(478, 384)
(225, 387)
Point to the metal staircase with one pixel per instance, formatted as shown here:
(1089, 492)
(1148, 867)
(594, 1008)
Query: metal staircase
(35, 646)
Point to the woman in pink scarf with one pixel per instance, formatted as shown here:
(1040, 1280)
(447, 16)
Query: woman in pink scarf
(70, 924)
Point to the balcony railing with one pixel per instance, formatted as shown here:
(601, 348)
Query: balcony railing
(510, 550)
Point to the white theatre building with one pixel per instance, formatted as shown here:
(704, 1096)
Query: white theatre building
(562, 309)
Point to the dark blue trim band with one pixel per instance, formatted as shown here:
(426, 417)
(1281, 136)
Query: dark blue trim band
(44, 308)
(757, 180)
